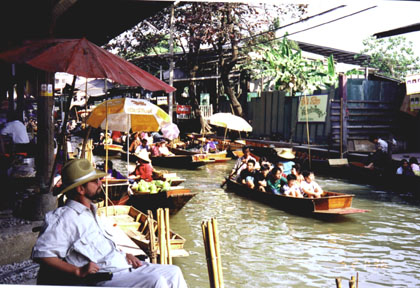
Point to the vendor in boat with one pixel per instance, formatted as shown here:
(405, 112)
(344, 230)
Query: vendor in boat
(74, 247)
(309, 186)
(276, 181)
(262, 178)
(380, 157)
(144, 169)
(241, 163)
(248, 175)
(286, 156)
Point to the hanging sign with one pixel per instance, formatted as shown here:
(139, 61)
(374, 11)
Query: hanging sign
(162, 100)
(46, 90)
(314, 106)
(412, 83)
(183, 111)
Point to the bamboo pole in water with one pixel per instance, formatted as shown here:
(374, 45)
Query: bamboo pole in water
(352, 282)
(338, 282)
(217, 253)
(211, 245)
(168, 237)
(207, 250)
(152, 240)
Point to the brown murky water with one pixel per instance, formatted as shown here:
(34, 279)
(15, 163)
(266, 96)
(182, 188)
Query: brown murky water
(265, 247)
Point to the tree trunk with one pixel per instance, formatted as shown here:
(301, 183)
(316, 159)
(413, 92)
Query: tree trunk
(44, 201)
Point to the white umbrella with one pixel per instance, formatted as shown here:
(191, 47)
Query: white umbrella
(230, 121)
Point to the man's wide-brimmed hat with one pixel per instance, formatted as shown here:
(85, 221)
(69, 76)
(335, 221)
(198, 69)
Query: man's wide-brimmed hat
(286, 153)
(143, 155)
(77, 172)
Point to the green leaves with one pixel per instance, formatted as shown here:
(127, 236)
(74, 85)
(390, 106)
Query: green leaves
(289, 70)
(392, 56)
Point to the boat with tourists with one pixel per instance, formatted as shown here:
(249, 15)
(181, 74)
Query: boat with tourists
(218, 157)
(173, 161)
(330, 203)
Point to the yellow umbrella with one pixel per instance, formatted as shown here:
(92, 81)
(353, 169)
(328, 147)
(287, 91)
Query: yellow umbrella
(126, 113)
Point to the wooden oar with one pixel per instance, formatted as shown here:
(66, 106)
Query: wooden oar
(230, 175)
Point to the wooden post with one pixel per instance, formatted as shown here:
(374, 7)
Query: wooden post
(152, 240)
(338, 282)
(168, 236)
(211, 246)
(342, 80)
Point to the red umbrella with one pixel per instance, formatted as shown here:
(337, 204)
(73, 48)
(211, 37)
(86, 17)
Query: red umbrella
(83, 58)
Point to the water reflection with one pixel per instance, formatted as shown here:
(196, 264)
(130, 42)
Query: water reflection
(265, 247)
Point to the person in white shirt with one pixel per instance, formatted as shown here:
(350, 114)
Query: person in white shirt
(309, 187)
(74, 245)
(17, 131)
(380, 156)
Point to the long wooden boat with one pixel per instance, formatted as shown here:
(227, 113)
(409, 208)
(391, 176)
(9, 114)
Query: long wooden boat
(174, 199)
(331, 203)
(174, 161)
(113, 149)
(218, 157)
(134, 223)
(180, 161)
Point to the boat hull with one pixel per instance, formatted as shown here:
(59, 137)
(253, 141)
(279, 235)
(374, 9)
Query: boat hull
(174, 199)
(332, 203)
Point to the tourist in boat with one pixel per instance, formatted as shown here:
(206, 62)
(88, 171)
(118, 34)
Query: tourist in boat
(296, 170)
(143, 145)
(276, 181)
(405, 168)
(292, 187)
(309, 186)
(264, 161)
(210, 146)
(248, 175)
(144, 169)
(163, 149)
(262, 178)
(379, 158)
(414, 164)
(116, 137)
(286, 156)
(74, 243)
(241, 163)
(113, 172)
(154, 149)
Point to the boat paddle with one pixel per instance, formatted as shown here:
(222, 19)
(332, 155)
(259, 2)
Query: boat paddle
(231, 174)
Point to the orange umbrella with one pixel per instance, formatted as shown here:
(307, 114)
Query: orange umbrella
(83, 58)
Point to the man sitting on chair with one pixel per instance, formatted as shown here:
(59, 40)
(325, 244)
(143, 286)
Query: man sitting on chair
(73, 244)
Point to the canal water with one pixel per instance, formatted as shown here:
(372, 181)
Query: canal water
(265, 247)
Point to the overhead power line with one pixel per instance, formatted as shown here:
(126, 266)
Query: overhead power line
(316, 26)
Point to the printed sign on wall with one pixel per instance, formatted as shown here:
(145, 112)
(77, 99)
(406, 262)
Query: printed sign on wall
(314, 106)
(412, 83)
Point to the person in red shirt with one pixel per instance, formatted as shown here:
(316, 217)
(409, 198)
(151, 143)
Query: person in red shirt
(144, 169)
(116, 137)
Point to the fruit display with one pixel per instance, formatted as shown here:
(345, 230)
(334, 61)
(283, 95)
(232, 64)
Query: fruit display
(152, 187)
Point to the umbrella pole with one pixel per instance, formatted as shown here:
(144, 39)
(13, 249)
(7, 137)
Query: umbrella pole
(62, 135)
(224, 139)
(85, 142)
(128, 146)
(307, 131)
(106, 160)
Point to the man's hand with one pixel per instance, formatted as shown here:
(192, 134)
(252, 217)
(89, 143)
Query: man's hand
(133, 260)
(89, 268)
